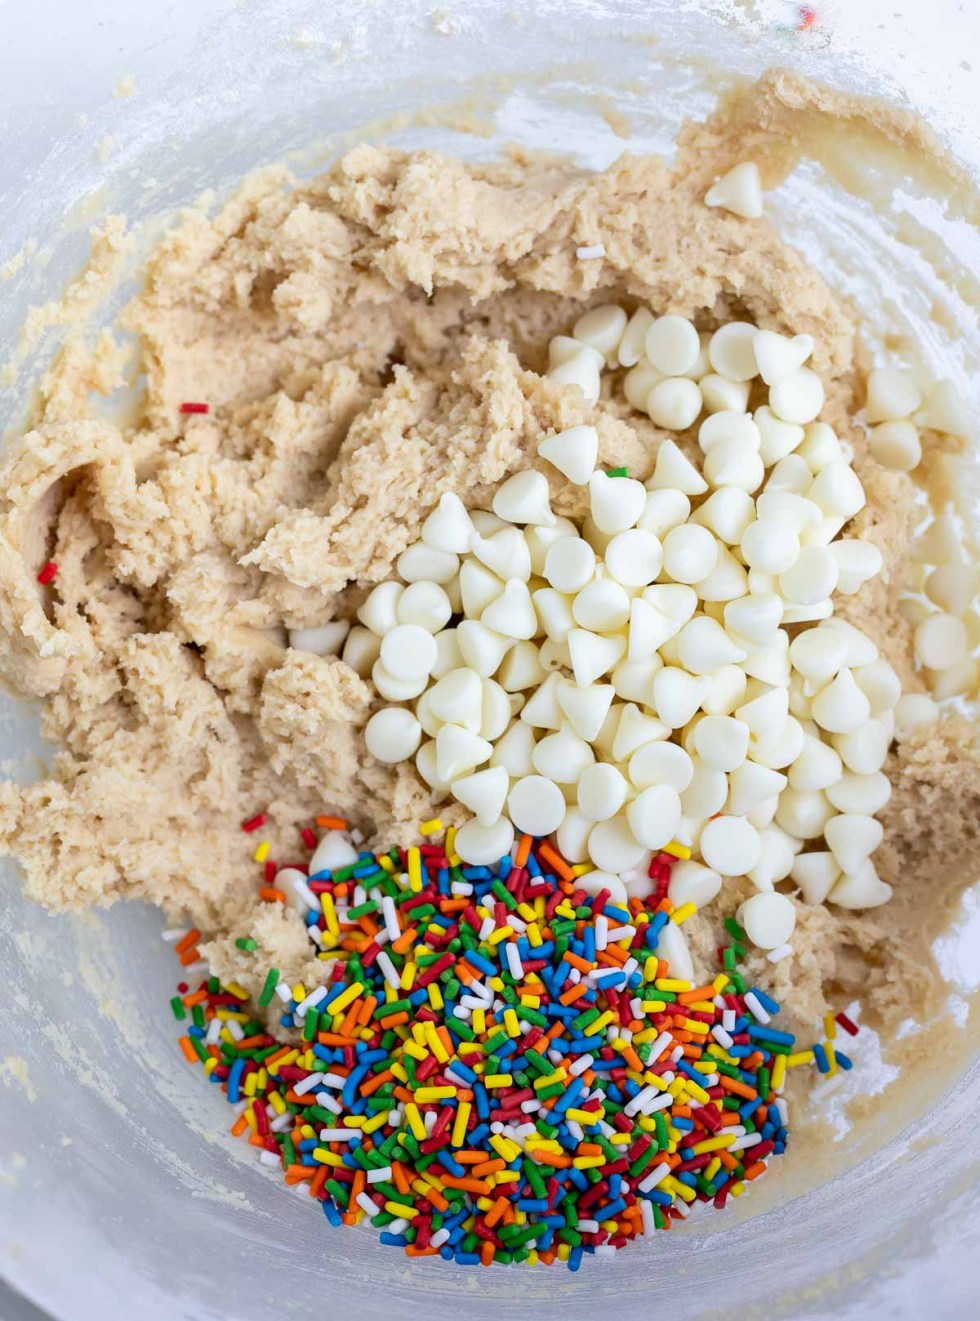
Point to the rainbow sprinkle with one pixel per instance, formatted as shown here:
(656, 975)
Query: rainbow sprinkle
(499, 1067)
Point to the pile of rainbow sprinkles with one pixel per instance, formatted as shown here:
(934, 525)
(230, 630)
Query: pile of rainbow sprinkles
(501, 1067)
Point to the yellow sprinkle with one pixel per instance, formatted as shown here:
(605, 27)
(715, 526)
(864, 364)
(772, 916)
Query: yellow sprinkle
(386, 863)
(679, 1189)
(249, 1085)
(431, 827)
(531, 1001)
(673, 984)
(291, 1058)
(479, 1021)
(507, 1176)
(564, 1251)
(831, 1059)
(299, 991)
(720, 982)
(407, 977)
(263, 1082)
(683, 913)
(534, 936)
(532, 1257)
(435, 1044)
(737, 1189)
(459, 1123)
(650, 968)
(326, 1157)
(565, 909)
(829, 1027)
(400, 1209)
(582, 869)
(330, 914)
(426, 1095)
(353, 1121)
(414, 870)
(498, 1080)
(585, 1117)
(778, 1073)
(501, 933)
(377, 1122)
(511, 1023)
(801, 1057)
(435, 996)
(507, 1149)
(346, 997)
(713, 1144)
(697, 1092)
(712, 1169)
(677, 850)
(496, 983)
(399, 1070)
(451, 854)
(210, 1065)
(275, 1099)
(415, 1121)
(263, 851)
(696, 1026)
(588, 1162)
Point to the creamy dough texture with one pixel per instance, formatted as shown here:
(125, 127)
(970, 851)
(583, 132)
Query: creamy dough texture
(366, 342)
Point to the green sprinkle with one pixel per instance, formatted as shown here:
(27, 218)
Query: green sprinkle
(269, 987)
(246, 943)
(177, 1005)
(617, 472)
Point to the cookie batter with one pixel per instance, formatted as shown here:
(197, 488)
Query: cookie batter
(366, 342)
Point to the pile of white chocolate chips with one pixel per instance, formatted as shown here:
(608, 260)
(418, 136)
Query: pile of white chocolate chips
(670, 672)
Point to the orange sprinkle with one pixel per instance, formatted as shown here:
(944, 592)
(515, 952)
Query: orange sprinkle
(400, 1178)
(496, 1211)
(487, 1253)
(187, 941)
(190, 956)
(523, 850)
(271, 895)
(557, 862)
(190, 1054)
(477, 1186)
(331, 823)
(738, 1087)
(240, 1125)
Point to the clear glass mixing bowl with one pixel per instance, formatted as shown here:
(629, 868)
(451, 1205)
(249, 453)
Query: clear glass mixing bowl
(120, 1191)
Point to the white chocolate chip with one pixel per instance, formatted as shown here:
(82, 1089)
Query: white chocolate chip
(654, 815)
(616, 502)
(602, 792)
(730, 845)
(674, 403)
(738, 191)
(481, 845)
(573, 452)
(940, 641)
(392, 735)
(524, 498)
(768, 919)
(324, 640)
(896, 445)
(484, 793)
(449, 527)
(892, 394)
(798, 397)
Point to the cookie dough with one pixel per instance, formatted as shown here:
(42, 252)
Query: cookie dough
(365, 342)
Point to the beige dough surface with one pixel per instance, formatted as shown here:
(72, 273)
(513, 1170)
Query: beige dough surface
(367, 341)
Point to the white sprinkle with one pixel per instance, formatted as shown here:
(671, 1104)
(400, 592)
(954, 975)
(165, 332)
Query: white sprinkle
(379, 1175)
(311, 1001)
(390, 913)
(388, 969)
(174, 934)
(397, 1226)
(282, 1122)
(590, 1226)
(722, 1037)
(660, 1045)
(460, 888)
(656, 1175)
(332, 1080)
(438, 1238)
(728, 1019)
(307, 1084)
(575, 1128)
(327, 1101)
(284, 993)
(601, 932)
(213, 1032)
(514, 962)
(621, 933)
(197, 969)
(366, 1205)
(604, 1250)
(646, 1214)
(268, 1158)
(338, 1134)
(487, 928)
(235, 1028)
(588, 250)
(680, 1206)
(640, 1101)
(783, 1110)
(530, 1107)
(306, 894)
(581, 1064)
(753, 1003)
(779, 953)
(746, 1140)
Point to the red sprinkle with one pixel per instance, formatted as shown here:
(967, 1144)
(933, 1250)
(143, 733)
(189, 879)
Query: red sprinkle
(847, 1024)
(254, 823)
(309, 839)
(195, 408)
(47, 573)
